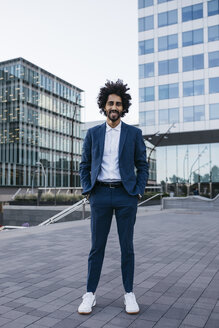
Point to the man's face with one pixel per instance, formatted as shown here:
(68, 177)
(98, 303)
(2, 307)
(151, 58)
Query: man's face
(113, 107)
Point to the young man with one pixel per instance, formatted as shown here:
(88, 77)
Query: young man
(111, 152)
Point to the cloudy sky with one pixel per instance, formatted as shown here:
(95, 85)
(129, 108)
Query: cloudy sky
(84, 42)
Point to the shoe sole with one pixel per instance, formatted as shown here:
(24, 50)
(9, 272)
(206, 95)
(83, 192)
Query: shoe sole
(133, 312)
(88, 312)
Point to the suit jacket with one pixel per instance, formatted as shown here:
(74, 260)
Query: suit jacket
(132, 153)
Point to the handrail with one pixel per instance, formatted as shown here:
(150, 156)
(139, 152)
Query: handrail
(16, 193)
(147, 200)
(69, 210)
(65, 212)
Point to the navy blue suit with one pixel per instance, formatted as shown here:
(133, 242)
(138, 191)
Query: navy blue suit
(123, 200)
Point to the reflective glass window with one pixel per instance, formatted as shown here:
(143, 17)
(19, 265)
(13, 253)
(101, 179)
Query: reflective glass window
(193, 113)
(146, 94)
(214, 111)
(193, 88)
(167, 18)
(214, 85)
(168, 116)
(192, 12)
(149, 94)
(168, 42)
(213, 7)
(168, 91)
(146, 23)
(173, 115)
(192, 37)
(199, 113)
(199, 87)
(213, 59)
(163, 116)
(149, 117)
(146, 70)
(145, 3)
(193, 62)
(161, 1)
(168, 66)
(213, 33)
(188, 89)
(146, 47)
(188, 114)
(141, 118)
(173, 90)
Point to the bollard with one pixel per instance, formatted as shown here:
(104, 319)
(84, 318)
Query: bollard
(1, 214)
(83, 211)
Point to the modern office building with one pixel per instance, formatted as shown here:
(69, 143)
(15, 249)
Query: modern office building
(38, 112)
(179, 88)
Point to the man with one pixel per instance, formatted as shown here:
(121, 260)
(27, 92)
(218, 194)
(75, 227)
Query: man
(111, 152)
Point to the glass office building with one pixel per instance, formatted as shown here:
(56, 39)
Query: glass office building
(40, 127)
(179, 87)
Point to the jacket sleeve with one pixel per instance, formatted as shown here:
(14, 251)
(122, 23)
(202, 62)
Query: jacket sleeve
(85, 165)
(141, 163)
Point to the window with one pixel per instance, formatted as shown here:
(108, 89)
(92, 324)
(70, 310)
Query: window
(192, 12)
(146, 70)
(146, 94)
(161, 1)
(167, 18)
(214, 111)
(192, 37)
(213, 33)
(168, 42)
(146, 47)
(213, 7)
(193, 113)
(150, 117)
(191, 63)
(146, 23)
(213, 59)
(168, 91)
(168, 116)
(168, 66)
(214, 85)
(145, 3)
(147, 118)
(193, 88)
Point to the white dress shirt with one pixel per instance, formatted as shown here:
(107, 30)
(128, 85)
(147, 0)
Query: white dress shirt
(110, 163)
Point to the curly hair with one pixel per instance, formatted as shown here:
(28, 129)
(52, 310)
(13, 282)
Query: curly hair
(117, 88)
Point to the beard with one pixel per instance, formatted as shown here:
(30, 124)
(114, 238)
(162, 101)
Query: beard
(114, 115)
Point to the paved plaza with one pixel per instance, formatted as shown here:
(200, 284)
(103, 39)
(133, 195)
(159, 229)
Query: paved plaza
(43, 274)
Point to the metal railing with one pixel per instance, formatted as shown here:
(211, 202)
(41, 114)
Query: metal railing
(71, 209)
(66, 211)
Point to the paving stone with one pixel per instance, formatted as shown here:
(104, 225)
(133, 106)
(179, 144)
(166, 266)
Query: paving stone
(176, 277)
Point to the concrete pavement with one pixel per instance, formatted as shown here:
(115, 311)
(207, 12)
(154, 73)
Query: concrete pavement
(43, 274)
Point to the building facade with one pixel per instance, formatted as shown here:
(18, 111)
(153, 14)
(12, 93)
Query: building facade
(179, 87)
(40, 127)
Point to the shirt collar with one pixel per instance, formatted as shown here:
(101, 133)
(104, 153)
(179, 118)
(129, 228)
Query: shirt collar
(117, 128)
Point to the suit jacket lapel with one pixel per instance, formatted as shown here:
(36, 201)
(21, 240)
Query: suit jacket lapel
(102, 133)
(122, 137)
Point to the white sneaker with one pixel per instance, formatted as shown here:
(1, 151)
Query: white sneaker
(89, 300)
(131, 306)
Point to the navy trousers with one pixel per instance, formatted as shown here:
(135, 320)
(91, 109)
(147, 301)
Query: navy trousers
(103, 200)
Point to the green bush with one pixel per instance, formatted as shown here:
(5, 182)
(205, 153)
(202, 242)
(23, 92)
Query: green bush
(28, 197)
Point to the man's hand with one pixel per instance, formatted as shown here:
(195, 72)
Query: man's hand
(87, 196)
(139, 196)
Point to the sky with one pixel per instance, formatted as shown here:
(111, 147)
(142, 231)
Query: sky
(84, 42)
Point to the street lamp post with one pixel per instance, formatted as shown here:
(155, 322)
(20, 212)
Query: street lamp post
(41, 164)
(189, 180)
(163, 136)
(72, 144)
